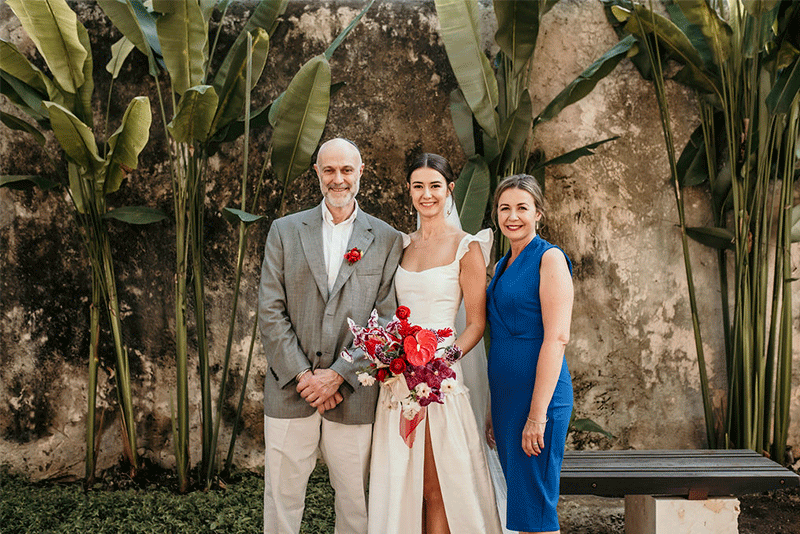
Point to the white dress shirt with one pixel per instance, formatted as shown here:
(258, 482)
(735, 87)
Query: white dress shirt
(334, 241)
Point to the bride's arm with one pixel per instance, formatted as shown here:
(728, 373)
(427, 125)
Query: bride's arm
(473, 285)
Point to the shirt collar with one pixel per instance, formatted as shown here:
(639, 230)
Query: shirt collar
(327, 216)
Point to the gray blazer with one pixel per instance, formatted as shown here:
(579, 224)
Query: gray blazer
(303, 326)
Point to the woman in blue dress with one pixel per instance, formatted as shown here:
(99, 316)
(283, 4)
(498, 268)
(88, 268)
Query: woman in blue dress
(529, 308)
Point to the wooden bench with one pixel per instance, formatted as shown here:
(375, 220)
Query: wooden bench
(641, 476)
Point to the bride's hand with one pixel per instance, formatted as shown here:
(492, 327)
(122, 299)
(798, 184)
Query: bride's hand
(490, 432)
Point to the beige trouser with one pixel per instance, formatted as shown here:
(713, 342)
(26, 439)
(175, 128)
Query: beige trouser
(289, 459)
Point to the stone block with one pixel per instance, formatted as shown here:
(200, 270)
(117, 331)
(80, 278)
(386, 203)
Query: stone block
(645, 514)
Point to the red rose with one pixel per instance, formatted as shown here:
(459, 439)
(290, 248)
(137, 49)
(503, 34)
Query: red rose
(397, 366)
(353, 255)
(420, 347)
(402, 312)
(381, 376)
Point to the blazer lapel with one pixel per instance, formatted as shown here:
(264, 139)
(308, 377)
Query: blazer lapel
(311, 237)
(361, 238)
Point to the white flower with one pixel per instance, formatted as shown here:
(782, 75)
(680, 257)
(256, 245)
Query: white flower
(346, 356)
(423, 390)
(410, 408)
(366, 379)
(449, 385)
(373, 320)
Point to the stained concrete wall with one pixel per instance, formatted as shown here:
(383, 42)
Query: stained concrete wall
(631, 356)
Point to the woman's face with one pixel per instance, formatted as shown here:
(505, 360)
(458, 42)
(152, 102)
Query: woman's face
(517, 215)
(429, 190)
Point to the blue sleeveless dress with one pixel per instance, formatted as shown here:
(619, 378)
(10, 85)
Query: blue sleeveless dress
(514, 313)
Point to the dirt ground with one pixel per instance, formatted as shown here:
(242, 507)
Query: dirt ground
(775, 512)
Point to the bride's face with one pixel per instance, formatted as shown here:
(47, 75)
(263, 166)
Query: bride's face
(429, 190)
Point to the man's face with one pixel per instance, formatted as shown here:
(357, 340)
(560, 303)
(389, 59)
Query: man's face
(339, 170)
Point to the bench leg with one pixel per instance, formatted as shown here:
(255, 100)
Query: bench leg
(672, 515)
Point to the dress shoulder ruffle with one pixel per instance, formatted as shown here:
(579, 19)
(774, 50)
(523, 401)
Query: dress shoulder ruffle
(483, 238)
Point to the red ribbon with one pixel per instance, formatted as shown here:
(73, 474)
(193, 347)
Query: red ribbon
(408, 427)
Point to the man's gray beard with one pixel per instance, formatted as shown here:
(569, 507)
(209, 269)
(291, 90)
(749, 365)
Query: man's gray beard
(344, 203)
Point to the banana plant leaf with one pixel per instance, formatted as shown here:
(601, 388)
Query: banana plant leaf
(471, 193)
(643, 23)
(573, 155)
(136, 215)
(514, 132)
(339, 38)
(518, 29)
(588, 79)
(716, 33)
(16, 64)
(785, 90)
(235, 216)
(265, 16)
(119, 53)
(77, 181)
(183, 34)
(20, 125)
(300, 119)
(137, 24)
(125, 145)
(692, 166)
(258, 119)
(75, 137)
(265, 19)
(232, 89)
(757, 7)
(460, 32)
(83, 102)
(22, 182)
(462, 121)
(24, 96)
(53, 28)
(547, 5)
(718, 238)
(194, 115)
(587, 425)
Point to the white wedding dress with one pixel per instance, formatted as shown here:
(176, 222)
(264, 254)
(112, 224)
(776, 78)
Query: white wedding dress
(396, 471)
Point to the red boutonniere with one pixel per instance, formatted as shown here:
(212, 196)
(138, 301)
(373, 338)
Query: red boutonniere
(353, 255)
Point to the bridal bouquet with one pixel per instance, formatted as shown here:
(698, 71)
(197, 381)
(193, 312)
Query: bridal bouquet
(405, 358)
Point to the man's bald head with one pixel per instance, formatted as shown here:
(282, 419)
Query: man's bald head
(340, 143)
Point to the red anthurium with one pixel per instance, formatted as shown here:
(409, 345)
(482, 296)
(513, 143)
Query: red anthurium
(420, 347)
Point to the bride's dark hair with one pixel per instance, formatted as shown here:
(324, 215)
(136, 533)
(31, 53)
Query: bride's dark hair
(432, 161)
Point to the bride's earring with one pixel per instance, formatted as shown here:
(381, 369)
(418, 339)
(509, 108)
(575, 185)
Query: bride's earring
(410, 207)
(450, 207)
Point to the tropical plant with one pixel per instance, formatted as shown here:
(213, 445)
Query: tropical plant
(491, 109)
(63, 104)
(742, 59)
(174, 34)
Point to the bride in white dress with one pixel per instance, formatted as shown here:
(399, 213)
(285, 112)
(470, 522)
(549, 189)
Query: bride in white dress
(442, 483)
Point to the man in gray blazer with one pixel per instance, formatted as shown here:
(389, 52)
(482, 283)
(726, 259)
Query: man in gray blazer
(320, 267)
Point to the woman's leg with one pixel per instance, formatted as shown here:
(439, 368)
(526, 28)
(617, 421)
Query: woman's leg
(433, 513)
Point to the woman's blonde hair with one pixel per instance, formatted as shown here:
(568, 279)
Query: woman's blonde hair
(525, 182)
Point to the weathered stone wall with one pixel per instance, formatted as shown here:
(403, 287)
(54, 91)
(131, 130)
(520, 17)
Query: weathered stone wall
(632, 353)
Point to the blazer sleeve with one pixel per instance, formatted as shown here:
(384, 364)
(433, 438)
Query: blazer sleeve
(284, 355)
(385, 304)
